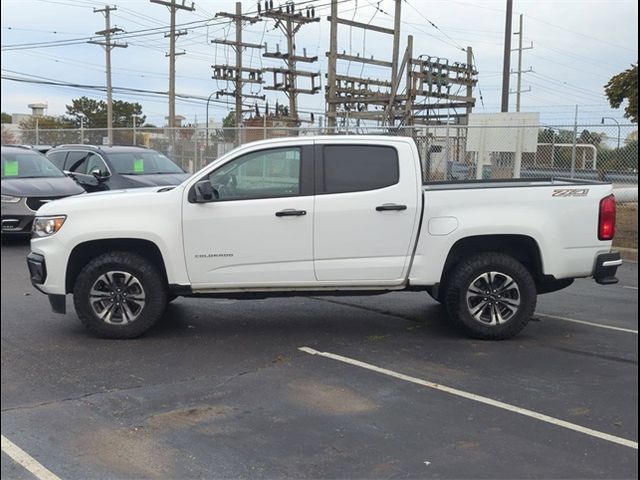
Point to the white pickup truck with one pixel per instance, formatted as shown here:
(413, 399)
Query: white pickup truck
(323, 216)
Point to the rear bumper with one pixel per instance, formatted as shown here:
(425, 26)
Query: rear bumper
(606, 267)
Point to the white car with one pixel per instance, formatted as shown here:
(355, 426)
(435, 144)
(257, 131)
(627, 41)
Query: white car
(323, 215)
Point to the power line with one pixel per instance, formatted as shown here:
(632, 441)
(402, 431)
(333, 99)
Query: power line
(36, 79)
(143, 32)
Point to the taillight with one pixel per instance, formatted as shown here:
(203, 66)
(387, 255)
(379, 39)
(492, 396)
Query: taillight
(607, 218)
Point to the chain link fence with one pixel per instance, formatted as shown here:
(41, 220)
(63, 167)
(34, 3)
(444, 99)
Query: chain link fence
(589, 152)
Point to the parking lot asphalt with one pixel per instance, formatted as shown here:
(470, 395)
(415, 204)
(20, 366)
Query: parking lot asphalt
(221, 389)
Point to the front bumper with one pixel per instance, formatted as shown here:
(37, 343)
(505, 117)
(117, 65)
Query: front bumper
(606, 267)
(17, 217)
(38, 272)
(17, 224)
(37, 269)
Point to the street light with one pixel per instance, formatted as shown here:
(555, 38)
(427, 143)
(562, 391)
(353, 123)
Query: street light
(618, 123)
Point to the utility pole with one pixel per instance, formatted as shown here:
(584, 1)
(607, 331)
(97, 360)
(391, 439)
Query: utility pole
(286, 79)
(108, 46)
(470, 85)
(506, 67)
(173, 7)
(235, 73)
(519, 72)
(330, 88)
(356, 94)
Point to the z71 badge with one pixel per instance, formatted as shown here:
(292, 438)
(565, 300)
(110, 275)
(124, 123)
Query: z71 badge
(570, 192)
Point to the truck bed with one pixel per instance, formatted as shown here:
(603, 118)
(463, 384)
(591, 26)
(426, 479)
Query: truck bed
(506, 183)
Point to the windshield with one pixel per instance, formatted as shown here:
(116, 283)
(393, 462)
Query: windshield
(27, 164)
(143, 163)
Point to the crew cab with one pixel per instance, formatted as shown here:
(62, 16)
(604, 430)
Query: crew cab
(323, 216)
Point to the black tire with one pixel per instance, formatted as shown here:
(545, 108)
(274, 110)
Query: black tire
(466, 286)
(115, 265)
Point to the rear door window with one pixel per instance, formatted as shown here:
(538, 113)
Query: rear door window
(77, 161)
(357, 168)
(57, 158)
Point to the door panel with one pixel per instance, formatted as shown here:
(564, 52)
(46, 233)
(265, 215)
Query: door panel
(243, 239)
(365, 235)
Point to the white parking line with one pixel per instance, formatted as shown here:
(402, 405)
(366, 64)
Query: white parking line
(476, 398)
(591, 324)
(631, 288)
(27, 461)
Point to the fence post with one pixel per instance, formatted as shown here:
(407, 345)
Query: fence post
(195, 149)
(573, 148)
(517, 162)
(447, 152)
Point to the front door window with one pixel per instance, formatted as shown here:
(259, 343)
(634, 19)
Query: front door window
(266, 174)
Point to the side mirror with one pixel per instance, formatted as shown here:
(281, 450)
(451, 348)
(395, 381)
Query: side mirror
(204, 192)
(101, 177)
(83, 179)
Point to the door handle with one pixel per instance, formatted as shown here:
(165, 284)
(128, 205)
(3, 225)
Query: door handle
(291, 213)
(390, 206)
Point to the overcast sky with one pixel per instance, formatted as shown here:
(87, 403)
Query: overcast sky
(578, 46)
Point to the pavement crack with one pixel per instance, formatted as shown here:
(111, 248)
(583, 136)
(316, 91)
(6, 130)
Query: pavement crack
(228, 379)
(367, 309)
(594, 355)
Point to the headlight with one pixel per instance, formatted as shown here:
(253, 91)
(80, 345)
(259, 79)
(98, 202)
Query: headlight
(10, 199)
(46, 226)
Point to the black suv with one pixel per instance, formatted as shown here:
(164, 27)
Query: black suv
(99, 168)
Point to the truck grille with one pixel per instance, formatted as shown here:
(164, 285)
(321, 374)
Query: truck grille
(34, 203)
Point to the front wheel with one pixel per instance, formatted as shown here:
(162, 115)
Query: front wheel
(491, 296)
(119, 295)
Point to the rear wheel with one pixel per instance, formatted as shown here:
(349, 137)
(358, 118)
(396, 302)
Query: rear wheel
(491, 296)
(119, 295)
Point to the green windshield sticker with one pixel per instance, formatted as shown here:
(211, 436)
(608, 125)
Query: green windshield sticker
(138, 165)
(11, 168)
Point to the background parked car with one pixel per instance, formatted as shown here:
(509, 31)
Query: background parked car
(99, 168)
(39, 148)
(28, 181)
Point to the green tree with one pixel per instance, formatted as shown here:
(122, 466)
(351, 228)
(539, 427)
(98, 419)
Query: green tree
(8, 138)
(48, 130)
(230, 120)
(624, 86)
(228, 131)
(92, 114)
(593, 138)
(6, 118)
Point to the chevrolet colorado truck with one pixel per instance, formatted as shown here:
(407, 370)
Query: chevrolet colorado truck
(335, 215)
